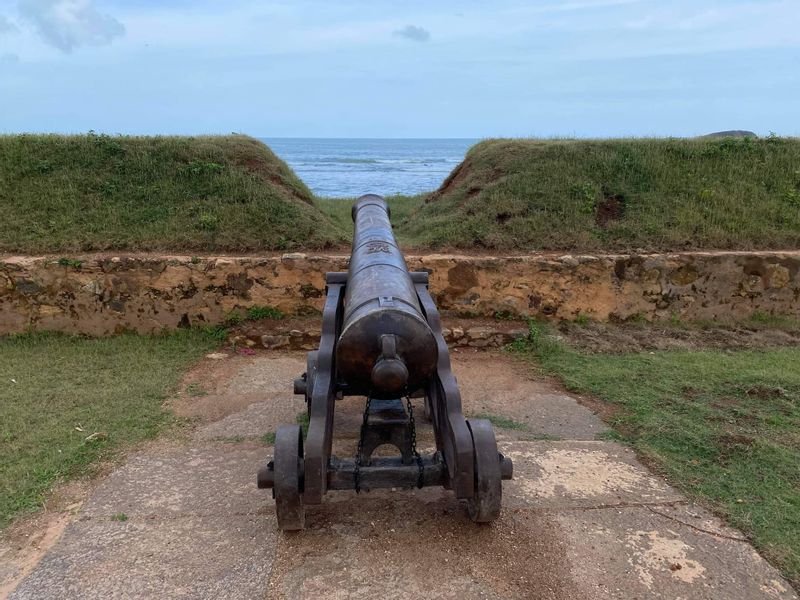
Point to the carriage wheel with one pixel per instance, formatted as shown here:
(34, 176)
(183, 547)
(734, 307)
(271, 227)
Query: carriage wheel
(484, 506)
(288, 487)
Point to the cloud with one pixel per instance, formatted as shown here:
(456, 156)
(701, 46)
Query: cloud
(413, 33)
(68, 24)
(6, 26)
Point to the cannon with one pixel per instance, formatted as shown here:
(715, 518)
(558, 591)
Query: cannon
(382, 340)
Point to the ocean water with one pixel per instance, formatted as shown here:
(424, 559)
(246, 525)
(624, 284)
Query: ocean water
(345, 168)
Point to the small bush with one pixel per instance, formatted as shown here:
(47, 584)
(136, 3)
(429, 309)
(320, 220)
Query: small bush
(234, 318)
(539, 342)
(207, 222)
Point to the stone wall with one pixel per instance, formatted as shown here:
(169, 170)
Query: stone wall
(101, 295)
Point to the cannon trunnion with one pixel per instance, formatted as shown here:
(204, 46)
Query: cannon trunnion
(382, 339)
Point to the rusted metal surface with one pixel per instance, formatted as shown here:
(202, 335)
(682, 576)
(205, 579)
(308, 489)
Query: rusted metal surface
(387, 472)
(380, 300)
(382, 338)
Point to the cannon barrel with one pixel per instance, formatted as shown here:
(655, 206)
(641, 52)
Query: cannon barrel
(386, 347)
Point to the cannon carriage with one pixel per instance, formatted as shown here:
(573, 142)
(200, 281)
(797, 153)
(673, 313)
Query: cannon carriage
(382, 339)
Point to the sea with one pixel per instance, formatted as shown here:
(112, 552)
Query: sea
(346, 168)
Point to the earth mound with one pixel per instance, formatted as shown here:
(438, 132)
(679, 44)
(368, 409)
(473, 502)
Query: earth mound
(616, 195)
(92, 192)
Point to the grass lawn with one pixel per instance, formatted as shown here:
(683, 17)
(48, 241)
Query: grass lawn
(57, 390)
(723, 426)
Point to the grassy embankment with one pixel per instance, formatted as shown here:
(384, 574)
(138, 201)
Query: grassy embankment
(67, 194)
(69, 403)
(721, 425)
(625, 194)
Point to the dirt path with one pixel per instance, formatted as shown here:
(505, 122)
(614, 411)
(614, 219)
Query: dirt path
(582, 518)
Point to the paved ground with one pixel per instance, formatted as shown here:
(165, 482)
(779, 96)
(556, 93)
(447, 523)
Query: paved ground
(582, 519)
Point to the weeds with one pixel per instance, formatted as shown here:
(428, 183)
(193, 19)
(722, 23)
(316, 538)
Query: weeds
(196, 390)
(503, 422)
(765, 319)
(505, 315)
(70, 262)
(302, 420)
(257, 313)
(254, 313)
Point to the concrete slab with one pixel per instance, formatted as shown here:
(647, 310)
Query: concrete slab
(666, 552)
(492, 384)
(403, 546)
(255, 399)
(188, 557)
(256, 420)
(580, 474)
(211, 480)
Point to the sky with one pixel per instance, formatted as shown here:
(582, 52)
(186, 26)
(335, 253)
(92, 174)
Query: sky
(417, 68)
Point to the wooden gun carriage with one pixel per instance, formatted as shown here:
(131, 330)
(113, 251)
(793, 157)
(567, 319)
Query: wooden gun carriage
(382, 339)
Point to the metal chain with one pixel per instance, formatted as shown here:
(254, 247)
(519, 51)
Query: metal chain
(359, 450)
(420, 479)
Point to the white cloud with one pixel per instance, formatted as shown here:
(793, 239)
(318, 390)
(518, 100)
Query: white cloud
(6, 26)
(413, 33)
(68, 24)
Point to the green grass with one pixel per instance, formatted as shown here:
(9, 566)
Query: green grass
(196, 390)
(302, 419)
(71, 194)
(59, 390)
(259, 313)
(62, 194)
(338, 210)
(503, 422)
(533, 194)
(768, 321)
(254, 313)
(723, 426)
